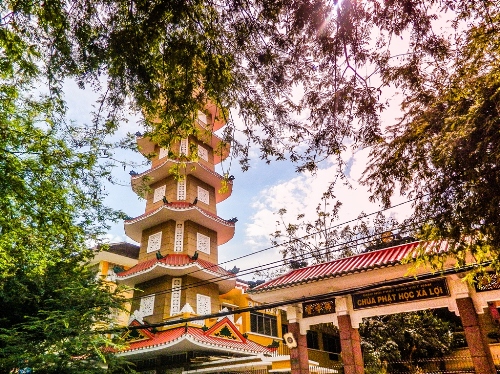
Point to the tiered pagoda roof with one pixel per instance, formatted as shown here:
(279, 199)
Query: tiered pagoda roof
(178, 265)
(191, 212)
(194, 168)
(187, 338)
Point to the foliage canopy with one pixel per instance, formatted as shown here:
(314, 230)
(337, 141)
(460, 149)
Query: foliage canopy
(308, 78)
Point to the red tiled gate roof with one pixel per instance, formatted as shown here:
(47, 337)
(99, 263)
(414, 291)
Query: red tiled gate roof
(366, 261)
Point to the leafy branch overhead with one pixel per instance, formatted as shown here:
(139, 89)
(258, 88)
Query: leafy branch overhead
(309, 80)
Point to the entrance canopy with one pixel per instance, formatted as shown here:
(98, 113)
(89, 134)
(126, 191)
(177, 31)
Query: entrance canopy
(370, 284)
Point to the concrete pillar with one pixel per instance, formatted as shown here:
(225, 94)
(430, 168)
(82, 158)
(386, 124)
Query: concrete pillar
(299, 358)
(350, 343)
(476, 338)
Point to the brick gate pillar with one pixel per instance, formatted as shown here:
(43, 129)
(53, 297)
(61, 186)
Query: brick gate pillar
(350, 344)
(299, 358)
(475, 336)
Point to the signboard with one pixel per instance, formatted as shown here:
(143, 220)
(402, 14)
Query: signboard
(318, 308)
(488, 282)
(401, 294)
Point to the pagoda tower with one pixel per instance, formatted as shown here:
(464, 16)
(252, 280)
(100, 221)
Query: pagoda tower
(179, 233)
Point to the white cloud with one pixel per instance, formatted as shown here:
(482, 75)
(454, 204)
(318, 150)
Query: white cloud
(301, 195)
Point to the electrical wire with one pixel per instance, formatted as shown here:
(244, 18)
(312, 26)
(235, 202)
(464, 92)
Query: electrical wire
(325, 296)
(303, 237)
(278, 263)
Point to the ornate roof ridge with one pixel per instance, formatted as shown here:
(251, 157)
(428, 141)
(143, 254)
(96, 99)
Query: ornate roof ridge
(148, 265)
(177, 205)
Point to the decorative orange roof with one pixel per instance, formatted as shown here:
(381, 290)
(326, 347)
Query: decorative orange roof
(191, 212)
(363, 262)
(193, 168)
(177, 265)
(186, 338)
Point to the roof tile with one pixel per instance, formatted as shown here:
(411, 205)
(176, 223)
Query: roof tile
(365, 261)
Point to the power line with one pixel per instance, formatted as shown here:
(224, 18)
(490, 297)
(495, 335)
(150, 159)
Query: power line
(273, 264)
(303, 237)
(326, 296)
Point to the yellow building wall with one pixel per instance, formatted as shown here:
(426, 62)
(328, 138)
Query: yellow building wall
(239, 298)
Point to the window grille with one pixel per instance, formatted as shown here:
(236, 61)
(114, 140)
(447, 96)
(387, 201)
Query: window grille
(154, 242)
(202, 153)
(184, 149)
(175, 301)
(147, 305)
(179, 237)
(203, 307)
(202, 243)
(181, 190)
(159, 193)
(203, 195)
(163, 153)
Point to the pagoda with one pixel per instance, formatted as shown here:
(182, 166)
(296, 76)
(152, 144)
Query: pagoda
(177, 275)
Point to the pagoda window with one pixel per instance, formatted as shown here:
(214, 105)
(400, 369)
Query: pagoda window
(203, 195)
(154, 242)
(179, 237)
(202, 243)
(202, 153)
(163, 153)
(312, 339)
(175, 300)
(147, 305)
(203, 305)
(159, 193)
(184, 149)
(181, 189)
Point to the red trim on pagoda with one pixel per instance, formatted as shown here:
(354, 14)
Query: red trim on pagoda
(184, 338)
(135, 226)
(366, 261)
(178, 265)
(194, 168)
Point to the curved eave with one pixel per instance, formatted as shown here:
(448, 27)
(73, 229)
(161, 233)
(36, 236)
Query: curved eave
(186, 343)
(146, 146)
(114, 258)
(225, 282)
(193, 168)
(179, 212)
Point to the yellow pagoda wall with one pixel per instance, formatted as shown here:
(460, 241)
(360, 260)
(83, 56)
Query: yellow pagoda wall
(192, 184)
(170, 192)
(190, 240)
(167, 240)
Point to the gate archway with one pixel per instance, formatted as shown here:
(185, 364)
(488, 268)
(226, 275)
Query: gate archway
(372, 284)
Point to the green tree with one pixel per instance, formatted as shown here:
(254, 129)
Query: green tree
(406, 337)
(323, 240)
(167, 59)
(55, 313)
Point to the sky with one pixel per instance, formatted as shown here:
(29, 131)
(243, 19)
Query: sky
(257, 195)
